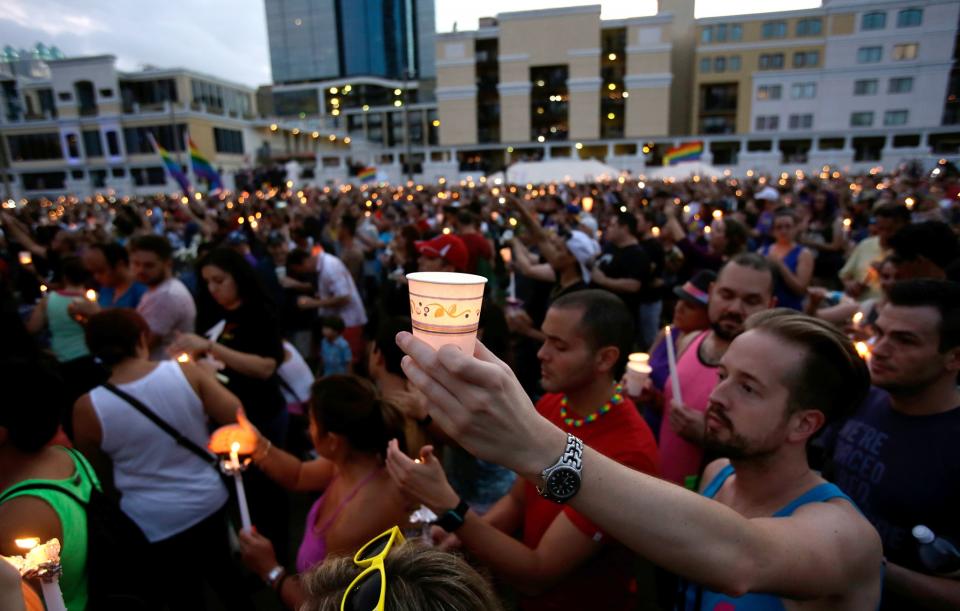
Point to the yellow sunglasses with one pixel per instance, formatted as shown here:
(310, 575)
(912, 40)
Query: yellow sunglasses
(368, 591)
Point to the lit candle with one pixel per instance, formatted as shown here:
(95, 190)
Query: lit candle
(637, 374)
(237, 470)
(41, 561)
(25, 257)
(717, 214)
(183, 358)
(91, 295)
(587, 204)
(656, 232)
(507, 255)
(639, 357)
(863, 350)
(43, 288)
(846, 228)
(857, 319)
(672, 361)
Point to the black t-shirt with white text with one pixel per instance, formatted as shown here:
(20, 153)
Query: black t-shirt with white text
(626, 262)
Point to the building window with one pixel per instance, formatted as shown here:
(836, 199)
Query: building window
(73, 146)
(718, 108)
(873, 21)
(769, 92)
(736, 32)
(705, 65)
(550, 104)
(809, 27)
(92, 145)
(143, 177)
(869, 55)
(806, 59)
(909, 17)
(137, 139)
(34, 147)
(895, 117)
(720, 64)
(706, 35)
(903, 84)
(774, 29)
(113, 144)
(733, 63)
(861, 119)
(106, 93)
(865, 87)
(43, 181)
(905, 51)
(767, 123)
(771, 61)
(721, 32)
(228, 140)
(64, 96)
(803, 91)
(117, 172)
(804, 121)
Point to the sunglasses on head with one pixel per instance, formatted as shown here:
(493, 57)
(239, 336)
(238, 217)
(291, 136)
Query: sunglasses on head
(368, 591)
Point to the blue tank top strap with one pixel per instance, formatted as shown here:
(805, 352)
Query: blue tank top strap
(818, 494)
(717, 482)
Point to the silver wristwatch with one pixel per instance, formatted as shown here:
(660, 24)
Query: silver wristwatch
(560, 482)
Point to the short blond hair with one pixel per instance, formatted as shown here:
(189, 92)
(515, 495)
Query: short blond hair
(419, 578)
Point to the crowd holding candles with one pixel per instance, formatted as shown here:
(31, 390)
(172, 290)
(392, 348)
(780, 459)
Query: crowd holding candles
(252, 335)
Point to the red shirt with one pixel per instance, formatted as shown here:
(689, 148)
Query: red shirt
(477, 248)
(606, 580)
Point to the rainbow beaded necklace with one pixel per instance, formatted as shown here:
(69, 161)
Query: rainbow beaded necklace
(616, 399)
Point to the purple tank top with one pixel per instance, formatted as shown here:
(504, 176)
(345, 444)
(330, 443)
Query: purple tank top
(313, 548)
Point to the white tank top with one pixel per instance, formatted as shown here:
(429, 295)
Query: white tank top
(297, 375)
(166, 488)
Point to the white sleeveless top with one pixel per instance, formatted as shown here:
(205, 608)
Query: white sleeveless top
(166, 488)
(297, 375)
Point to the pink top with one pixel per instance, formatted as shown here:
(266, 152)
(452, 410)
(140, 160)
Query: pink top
(679, 458)
(313, 548)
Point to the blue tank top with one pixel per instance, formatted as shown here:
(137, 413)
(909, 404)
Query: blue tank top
(714, 601)
(785, 297)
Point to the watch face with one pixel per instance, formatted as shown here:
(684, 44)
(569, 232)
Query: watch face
(563, 483)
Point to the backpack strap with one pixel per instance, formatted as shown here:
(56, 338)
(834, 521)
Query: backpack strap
(163, 425)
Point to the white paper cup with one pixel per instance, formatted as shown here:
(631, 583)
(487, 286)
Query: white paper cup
(637, 374)
(639, 357)
(445, 308)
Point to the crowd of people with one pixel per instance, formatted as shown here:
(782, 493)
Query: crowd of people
(807, 427)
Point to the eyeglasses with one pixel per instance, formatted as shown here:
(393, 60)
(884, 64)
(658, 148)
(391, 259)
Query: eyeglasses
(367, 592)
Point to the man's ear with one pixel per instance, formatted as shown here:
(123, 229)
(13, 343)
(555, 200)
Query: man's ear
(607, 357)
(952, 359)
(804, 424)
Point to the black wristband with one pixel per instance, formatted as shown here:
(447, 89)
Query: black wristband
(453, 519)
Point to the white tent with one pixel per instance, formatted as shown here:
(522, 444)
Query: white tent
(683, 170)
(559, 170)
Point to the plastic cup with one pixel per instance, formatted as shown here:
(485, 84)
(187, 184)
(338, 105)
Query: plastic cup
(445, 308)
(637, 374)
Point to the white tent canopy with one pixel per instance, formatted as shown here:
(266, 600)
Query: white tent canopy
(557, 170)
(683, 170)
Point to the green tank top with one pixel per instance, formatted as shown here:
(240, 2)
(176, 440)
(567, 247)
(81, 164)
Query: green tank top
(66, 335)
(73, 521)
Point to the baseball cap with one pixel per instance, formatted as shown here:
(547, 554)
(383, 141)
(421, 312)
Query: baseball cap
(768, 193)
(584, 249)
(450, 248)
(696, 290)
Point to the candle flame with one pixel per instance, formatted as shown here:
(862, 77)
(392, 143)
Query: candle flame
(91, 295)
(183, 358)
(235, 447)
(43, 288)
(857, 318)
(863, 350)
(26, 258)
(656, 232)
(27, 543)
(639, 357)
(847, 223)
(587, 204)
(718, 214)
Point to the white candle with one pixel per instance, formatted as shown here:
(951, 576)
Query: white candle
(238, 480)
(52, 596)
(672, 360)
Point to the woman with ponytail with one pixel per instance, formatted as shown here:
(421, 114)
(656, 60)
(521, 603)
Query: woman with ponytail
(350, 425)
(175, 497)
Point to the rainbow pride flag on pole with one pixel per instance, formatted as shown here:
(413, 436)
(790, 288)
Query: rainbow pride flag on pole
(367, 173)
(173, 168)
(688, 151)
(202, 168)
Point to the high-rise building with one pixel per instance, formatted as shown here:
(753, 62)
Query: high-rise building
(318, 40)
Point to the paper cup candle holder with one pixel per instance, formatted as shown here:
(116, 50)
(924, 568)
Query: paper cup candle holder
(445, 308)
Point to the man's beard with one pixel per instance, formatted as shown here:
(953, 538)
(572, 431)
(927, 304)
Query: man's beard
(725, 334)
(736, 447)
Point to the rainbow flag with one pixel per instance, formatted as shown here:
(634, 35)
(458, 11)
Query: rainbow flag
(203, 168)
(688, 151)
(367, 173)
(173, 168)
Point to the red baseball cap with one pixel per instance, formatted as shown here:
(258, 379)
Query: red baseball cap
(450, 248)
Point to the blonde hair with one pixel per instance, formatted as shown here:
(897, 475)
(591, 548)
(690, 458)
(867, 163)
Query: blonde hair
(419, 578)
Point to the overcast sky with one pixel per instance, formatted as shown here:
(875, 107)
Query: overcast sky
(228, 38)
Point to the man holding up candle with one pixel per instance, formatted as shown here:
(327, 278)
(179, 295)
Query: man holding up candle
(562, 560)
(897, 456)
(743, 287)
(765, 524)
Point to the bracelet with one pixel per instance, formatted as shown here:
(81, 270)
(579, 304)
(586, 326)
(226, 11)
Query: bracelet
(265, 452)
